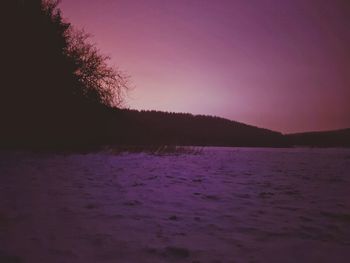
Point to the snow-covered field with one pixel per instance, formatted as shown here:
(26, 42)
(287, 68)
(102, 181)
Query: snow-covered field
(220, 205)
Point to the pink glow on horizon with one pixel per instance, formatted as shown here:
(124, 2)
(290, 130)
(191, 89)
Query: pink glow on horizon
(283, 65)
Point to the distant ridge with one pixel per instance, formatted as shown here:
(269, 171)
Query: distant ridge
(111, 126)
(333, 138)
(156, 127)
(103, 125)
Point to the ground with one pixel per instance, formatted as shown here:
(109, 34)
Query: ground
(208, 205)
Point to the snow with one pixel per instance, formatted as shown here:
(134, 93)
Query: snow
(217, 205)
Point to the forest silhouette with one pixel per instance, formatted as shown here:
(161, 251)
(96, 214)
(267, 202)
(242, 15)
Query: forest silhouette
(59, 91)
(59, 88)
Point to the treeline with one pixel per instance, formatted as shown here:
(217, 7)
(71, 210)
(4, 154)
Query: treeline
(337, 138)
(155, 127)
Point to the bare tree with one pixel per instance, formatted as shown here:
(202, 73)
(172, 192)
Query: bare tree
(100, 82)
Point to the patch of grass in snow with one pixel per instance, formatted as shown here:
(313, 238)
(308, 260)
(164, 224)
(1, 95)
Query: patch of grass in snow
(156, 150)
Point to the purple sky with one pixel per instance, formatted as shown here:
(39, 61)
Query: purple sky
(278, 64)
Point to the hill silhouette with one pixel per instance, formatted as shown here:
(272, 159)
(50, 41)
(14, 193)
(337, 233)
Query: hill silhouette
(336, 138)
(155, 127)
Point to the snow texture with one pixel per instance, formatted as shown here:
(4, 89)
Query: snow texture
(218, 205)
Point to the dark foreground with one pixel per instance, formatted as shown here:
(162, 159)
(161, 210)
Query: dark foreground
(214, 205)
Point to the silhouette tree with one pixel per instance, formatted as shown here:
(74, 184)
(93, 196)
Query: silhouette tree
(54, 80)
(99, 81)
(50, 58)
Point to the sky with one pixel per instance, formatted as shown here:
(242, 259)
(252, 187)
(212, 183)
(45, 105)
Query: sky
(277, 64)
